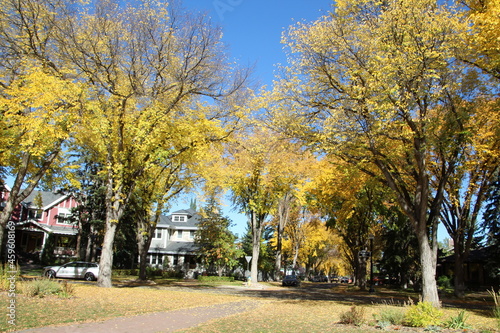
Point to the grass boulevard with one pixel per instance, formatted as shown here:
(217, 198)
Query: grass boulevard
(313, 307)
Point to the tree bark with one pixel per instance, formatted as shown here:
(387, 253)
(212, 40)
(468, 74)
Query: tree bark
(106, 262)
(284, 207)
(360, 275)
(428, 262)
(459, 276)
(143, 248)
(256, 237)
(116, 201)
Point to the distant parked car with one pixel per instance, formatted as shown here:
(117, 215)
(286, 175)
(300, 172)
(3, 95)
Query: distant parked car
(345, 279)
(291, 280)
(74, 270)
(319, 278)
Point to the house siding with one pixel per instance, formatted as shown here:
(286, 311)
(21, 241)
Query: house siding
(33, 231)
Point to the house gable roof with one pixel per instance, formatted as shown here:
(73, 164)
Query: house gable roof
(192, 221)
(49, 199)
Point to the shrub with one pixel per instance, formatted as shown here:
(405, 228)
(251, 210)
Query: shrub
(67, 290)
(202, 278)
(355, 316)
(458, 322)
(422, 315)
(41, 288)
(124, 272)
(391, 315)
(45, 287)
(444, 282)
(175, 274)
(152, 272)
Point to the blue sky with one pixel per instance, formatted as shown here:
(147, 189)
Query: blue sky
(253, 28)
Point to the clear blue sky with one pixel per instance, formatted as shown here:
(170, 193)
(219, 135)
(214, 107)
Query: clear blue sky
(253, 28)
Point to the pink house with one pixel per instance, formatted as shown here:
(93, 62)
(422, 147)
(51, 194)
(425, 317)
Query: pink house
(43, 214)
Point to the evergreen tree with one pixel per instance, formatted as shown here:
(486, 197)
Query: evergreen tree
(400, 259)
(215, 241)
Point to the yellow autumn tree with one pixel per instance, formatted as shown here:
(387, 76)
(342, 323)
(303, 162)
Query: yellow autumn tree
(320, 252)
(483, 39)
(354, 206)
(309, 245)
(260, 167)
(361, 85)
(160, 87)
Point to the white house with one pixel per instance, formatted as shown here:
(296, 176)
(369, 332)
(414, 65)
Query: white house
(173, 245)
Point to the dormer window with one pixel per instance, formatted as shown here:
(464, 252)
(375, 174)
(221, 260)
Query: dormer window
(35, 214)
(179, 218)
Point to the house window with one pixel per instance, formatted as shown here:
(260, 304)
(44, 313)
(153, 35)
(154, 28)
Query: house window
(179, 234)
(35, 214)
(179, 218)
(64, 218)
(156, 259)
(157, 234)
(191, 234)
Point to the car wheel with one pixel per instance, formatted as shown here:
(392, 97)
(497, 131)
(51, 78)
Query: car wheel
(50, 274)
(89, 277)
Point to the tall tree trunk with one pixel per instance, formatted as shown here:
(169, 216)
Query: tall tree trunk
(79, 240)
(423, 210)
(146, 227)
(143, 255)
(428, 263)
(256, 237)
(459, 277)
(279, 255)
(88, 249)
(115, 204)
(284, 208)
(106, 262)
(361, 273)
(144, 238)
(296, 249)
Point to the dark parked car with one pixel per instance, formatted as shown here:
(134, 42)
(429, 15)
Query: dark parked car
(74, 270)
(291, 280)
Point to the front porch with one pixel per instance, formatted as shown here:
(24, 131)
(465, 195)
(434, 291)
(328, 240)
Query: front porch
(35, 238)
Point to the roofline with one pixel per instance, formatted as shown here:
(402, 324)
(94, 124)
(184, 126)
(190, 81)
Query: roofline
(53, 203)
(172, 252)
(48, 229)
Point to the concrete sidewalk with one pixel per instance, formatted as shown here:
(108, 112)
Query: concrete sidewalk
(170, 321)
